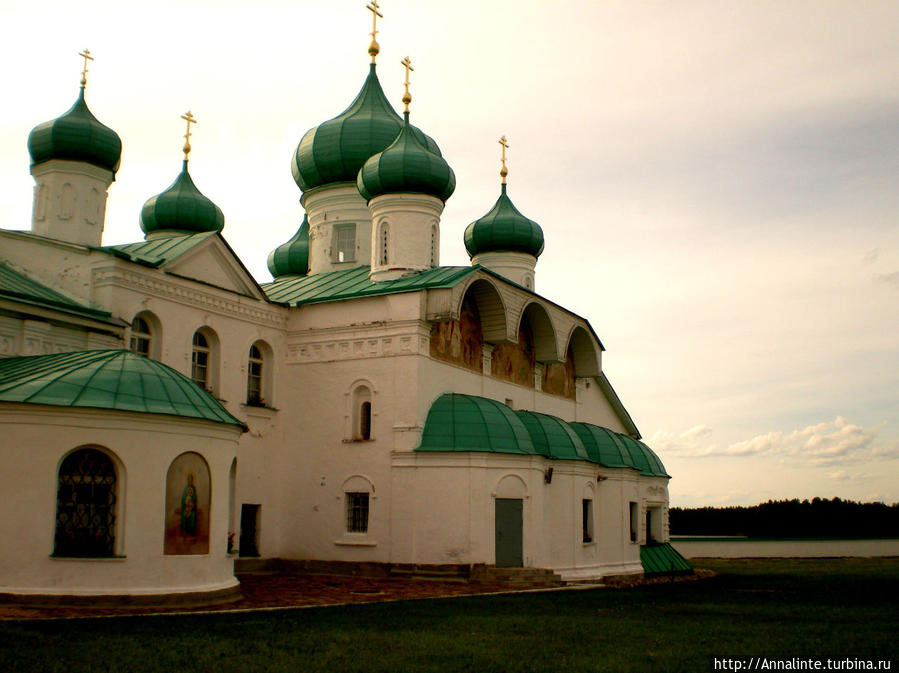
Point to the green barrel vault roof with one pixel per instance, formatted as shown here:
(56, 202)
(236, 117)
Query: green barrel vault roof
(335, 150)
(467, 423)
(553, 437)
(292, 258)
(108, 379)
(181, 208)
(663, 559)
(76, 136)
(458, 422)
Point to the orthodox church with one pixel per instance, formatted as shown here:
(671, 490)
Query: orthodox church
(164, 415)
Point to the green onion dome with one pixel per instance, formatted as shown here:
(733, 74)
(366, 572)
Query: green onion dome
(335, 150)
(504, 229)
(76, 136)
(181, 208)
(406, 167)
(292, 258)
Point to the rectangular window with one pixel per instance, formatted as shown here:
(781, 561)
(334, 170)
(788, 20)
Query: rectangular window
(357, 512)
(587, 507)
(199, 368)
(635, 522)
(345, 250)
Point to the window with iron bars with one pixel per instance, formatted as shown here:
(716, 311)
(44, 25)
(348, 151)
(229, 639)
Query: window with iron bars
(357, 512)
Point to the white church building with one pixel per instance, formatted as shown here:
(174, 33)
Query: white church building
(163, 415)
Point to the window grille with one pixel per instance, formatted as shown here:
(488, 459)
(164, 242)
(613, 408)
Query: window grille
(140, 337)
(385, 237)
(433, 245)
(85, 505)
(346, 244)
(357, 512)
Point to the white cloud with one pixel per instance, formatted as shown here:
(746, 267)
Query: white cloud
(827, 443)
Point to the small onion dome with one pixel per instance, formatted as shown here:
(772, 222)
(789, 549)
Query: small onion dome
(181, 208)
(406, 167)
(335, 150)
(292, 258)
(504, 229)
(76, 136)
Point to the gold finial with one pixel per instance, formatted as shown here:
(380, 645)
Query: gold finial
(86, 55)
(407, 97)
(374, 48)
(189, 118)
(503, 172)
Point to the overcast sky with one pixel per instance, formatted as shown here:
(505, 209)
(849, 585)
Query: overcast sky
(716, 181)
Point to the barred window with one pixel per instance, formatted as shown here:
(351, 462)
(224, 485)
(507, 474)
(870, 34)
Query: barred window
(384, 243)
(140, 337)
(346, 243)
(357, 512)
(85, 505)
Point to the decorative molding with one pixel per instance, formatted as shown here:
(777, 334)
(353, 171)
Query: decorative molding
(157, 284)
(358, 342)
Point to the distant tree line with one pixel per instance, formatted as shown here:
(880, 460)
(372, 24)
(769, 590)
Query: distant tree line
(790, 519)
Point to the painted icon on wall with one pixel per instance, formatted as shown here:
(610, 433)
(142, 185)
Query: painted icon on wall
(187, 498)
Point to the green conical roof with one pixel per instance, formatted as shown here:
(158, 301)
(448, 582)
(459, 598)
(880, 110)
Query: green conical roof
(292, 258)
(335, 150)
(181, 208)
(76, 136)
(107, 379)
(406, 167)
(504, 229)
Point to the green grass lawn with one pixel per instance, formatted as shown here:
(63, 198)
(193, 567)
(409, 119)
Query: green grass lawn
(777, 608)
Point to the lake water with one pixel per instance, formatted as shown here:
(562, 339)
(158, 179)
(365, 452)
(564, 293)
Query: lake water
(718, 547)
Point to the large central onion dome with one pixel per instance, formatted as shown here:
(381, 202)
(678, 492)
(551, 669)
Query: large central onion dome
(181, 208)
(406, 167)
(76, 136)
(335, 150)
(504, 229)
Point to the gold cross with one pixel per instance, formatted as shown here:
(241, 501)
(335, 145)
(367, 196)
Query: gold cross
(189, 118)
(86, 55)
(407, 97)
(503, 172)
(374, 48)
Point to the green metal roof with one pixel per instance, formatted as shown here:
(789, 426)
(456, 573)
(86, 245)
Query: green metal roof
(663, 559)
(406, 167)
(158, 250)
(504, 229)
(76, 136)
(19, 287)
(603, 446)
(553, 437)
(107, 379)
(458, 422)
(292, 258)
(355, 283)
(468, 423)
(335, 150)
(181, 208)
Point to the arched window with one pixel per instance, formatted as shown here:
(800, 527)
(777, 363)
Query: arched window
(434, 245)
(199, 361)
(141, 336)
(383, 244)
(86, 505)
(254, 377)
(362, 413)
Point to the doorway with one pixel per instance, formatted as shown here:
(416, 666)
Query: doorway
(249, 523)
(509, 533)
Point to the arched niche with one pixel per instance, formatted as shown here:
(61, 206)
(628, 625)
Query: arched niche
(543, 331)
(511, 486)
(583, 349)
(188, 499)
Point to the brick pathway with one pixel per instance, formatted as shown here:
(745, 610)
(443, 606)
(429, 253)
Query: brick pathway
(271, 591)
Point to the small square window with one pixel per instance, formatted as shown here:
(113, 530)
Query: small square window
(357, 512)
(345, 249)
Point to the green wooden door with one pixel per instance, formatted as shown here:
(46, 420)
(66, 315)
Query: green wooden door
(508, 533)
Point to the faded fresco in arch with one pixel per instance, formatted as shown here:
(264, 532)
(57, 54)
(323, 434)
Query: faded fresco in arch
(558, 377)
(187, 497)
(515, 362)
(460, 341)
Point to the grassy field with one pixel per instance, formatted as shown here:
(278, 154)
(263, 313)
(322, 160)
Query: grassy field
(777, 608)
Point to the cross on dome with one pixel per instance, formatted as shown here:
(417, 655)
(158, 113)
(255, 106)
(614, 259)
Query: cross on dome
(86, 55)
(374, 48)
(503, 172)
(407, 97)
(189, 118)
